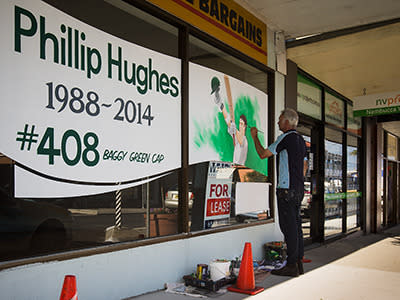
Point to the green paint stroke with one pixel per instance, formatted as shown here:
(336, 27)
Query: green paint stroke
(216, 136)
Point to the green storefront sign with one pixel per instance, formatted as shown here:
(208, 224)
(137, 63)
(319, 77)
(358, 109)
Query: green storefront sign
(348, 195)
(377, 111)
(377, 104)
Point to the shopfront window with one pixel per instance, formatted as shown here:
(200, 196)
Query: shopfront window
(353, 123)
(104, 126)
(353, 195)
(391, 147)
(33, 226)
(124, 21)
(334, 110)
(334, 195)
(226, 98)
(104, 113)
(204, 54)
(309, 97)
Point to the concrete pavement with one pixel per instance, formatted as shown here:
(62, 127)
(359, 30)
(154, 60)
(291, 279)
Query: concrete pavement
(356, 267)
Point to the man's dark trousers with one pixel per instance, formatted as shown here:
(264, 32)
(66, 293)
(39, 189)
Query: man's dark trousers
(289, 202)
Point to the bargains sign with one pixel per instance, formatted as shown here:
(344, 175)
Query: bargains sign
(225, 20)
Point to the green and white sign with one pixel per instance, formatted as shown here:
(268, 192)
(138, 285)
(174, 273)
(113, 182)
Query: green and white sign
(353, 123)
(377, 104)
(334, 110)
(309, 97)
(222, 110)
(82, 107)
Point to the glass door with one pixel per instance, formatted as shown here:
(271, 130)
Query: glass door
(353, 191)
(333, 186)
(305, 131)
(391, 194)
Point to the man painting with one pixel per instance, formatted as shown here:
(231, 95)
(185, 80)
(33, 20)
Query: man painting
(291, 150)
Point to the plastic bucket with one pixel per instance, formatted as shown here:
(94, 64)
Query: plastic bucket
(219, 269)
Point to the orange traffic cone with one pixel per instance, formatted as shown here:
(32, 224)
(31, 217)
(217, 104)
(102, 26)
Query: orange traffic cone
(245, 282)
(69, 291)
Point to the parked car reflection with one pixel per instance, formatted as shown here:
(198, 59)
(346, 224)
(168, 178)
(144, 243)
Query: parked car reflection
(172, 197)
(30, 226)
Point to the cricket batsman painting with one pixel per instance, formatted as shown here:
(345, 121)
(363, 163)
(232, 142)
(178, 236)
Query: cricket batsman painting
(240, 144)
(221, 108)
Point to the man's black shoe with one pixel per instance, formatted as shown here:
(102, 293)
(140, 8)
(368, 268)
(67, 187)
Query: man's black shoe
(288, 270)
(300, 266)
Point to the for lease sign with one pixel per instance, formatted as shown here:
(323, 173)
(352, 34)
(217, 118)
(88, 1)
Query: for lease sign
(219, 199)
(218, 192)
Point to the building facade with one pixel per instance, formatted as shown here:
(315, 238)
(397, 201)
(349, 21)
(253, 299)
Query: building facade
(126, 155)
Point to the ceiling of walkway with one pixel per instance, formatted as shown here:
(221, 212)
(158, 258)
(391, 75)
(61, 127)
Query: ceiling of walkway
(354, 64)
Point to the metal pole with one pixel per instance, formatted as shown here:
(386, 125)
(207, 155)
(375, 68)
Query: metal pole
(118, 209)
(147, 209)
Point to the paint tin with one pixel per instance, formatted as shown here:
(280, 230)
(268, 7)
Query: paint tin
(202, 270)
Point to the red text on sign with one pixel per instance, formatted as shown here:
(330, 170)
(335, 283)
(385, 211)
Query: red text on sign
(219, 190)
(218, 207)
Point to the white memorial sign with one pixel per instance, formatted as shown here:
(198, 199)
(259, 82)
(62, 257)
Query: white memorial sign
(82, 106)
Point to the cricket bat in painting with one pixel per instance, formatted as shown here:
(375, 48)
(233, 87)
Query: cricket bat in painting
(229, 95)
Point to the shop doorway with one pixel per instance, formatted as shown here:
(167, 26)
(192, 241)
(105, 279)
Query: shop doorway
(334, 196)
(312, 205)
(390, 194)
(389, 206)
(305, 131)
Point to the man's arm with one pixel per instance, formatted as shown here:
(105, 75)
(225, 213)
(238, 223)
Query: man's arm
(262, 152)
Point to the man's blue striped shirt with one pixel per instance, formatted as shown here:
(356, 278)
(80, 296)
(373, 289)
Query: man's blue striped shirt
(291, 150)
